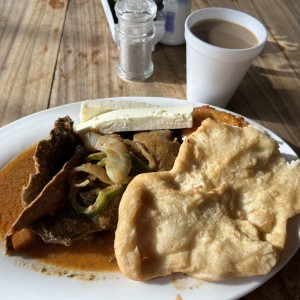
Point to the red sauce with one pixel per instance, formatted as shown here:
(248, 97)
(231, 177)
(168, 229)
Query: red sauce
(95, 254)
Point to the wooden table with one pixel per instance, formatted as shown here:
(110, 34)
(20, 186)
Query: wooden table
(61, 51)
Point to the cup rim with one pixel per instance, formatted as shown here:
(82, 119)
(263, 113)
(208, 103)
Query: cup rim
(224, 14)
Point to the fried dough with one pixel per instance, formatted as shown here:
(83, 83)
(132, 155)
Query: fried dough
(205, 111)
(220, 213)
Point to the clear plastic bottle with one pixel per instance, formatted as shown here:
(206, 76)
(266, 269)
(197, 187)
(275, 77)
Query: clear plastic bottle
(175, 12)
(135, 31)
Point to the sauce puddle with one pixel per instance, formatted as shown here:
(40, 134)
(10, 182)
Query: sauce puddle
(92, 255)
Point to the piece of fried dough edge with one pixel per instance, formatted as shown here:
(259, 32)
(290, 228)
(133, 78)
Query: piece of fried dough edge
(220, 213)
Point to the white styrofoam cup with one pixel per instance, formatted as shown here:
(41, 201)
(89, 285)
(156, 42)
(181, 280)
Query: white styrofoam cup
(214, 73)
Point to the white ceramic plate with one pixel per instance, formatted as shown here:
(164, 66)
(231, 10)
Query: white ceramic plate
(18, 281)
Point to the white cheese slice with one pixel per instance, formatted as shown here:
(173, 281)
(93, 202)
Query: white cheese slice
(93, 108)
(139, 119)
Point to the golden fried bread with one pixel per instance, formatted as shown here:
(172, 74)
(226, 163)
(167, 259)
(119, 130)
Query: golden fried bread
(220, 213)
(203, 112)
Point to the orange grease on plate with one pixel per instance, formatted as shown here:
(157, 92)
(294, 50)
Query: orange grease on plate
(94, 254)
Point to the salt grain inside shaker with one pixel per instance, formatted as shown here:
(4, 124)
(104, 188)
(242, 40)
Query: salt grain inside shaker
(135, 31)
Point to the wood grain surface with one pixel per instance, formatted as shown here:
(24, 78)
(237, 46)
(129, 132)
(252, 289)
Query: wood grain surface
(61, 51)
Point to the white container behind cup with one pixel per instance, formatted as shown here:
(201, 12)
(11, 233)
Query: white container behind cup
(214, 73)
(175, 13)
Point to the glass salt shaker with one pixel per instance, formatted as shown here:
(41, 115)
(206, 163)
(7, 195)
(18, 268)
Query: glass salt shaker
(134, 32)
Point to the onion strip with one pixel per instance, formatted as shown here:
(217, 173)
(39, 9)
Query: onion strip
(118, 161)
(95, 170)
